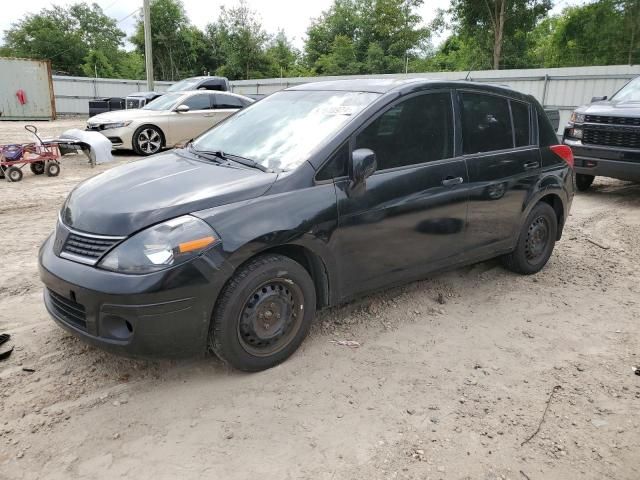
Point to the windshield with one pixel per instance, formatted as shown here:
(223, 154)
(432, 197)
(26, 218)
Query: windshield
(165, 102)
(186, 84)
(629, 93)
(280, 131)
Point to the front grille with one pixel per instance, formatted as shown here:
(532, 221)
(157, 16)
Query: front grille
(134, 103)
(611, 120)
(91, 247)
(612, 136)
(68, 310)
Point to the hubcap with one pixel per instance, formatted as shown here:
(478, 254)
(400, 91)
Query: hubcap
(271, 317)
(149, 141)
(537, 239)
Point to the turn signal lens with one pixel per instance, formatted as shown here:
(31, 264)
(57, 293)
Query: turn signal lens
(195, 244)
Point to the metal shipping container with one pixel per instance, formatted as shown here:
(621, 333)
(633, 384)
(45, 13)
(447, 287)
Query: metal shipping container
(26, 90)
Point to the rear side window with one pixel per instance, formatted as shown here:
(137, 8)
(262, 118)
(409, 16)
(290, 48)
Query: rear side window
(545, 129)
(228, 101)
(202, 101)
(417, 130)
(520, 114)
(486, 123)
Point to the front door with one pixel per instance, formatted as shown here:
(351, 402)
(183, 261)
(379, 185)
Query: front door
(412, 213)
(503, 165)
(187, 125)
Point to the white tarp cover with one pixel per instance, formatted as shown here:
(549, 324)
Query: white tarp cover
(99, 145)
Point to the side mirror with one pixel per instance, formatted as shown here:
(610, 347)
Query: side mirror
(598, 99)
(182, 109)
(363, 165)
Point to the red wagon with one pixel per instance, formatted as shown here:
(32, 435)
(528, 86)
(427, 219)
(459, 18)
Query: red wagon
(42, 157)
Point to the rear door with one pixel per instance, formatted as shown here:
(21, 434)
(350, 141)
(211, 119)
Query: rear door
(412, 213)
(503, 163)
(187, 125)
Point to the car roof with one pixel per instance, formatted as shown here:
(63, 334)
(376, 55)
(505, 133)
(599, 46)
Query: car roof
(401, 85)
(217, 92)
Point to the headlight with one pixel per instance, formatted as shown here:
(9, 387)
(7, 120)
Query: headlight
(575, 133)
(116, 124)
(162, 246)
(577, 117)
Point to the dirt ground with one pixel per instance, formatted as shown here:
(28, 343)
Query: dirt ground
(451, 380)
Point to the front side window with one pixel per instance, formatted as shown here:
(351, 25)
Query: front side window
(486, 123)
(282, 130)
(202, 101)
(417, 130)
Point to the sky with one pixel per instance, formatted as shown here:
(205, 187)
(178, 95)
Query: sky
(293, 16)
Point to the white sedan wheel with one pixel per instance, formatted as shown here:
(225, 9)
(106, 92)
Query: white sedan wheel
(149, 141)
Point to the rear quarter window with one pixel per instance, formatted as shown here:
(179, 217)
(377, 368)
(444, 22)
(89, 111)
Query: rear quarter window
(546, 132)
(521, 127)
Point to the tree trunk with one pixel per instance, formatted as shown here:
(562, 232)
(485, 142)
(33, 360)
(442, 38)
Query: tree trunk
(499, 11)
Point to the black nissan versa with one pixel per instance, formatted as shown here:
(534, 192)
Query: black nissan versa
(312, 196)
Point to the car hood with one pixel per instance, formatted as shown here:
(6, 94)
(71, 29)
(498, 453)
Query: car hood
(122, 115)
(131, 197)
(616, 109)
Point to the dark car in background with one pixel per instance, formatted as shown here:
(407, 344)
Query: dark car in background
(605, 137)
(219, 84)
(311, 196)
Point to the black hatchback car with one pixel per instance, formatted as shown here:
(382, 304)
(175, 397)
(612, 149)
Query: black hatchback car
(310, 197)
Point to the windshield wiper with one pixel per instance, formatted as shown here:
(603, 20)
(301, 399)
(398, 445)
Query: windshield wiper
(247, 162)
(215, 156)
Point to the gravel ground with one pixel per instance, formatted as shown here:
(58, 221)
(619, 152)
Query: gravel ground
(474, 373)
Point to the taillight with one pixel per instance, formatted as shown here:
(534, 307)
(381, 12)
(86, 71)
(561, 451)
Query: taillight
(564, 152)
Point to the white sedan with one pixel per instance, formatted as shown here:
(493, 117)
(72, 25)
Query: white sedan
(170, 119)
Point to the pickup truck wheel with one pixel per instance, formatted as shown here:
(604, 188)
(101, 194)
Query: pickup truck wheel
(536, 241)
(583, 182)
(263, 313)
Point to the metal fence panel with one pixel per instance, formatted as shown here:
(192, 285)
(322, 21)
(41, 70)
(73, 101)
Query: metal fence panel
(561, 88)
(29, 80)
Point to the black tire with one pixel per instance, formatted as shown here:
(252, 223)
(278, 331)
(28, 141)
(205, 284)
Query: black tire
(37, 168)
(2, 169)
(536, 241)
(13, 174)
(147, 140)
(256, 322)
(52, 169)
(583, 182)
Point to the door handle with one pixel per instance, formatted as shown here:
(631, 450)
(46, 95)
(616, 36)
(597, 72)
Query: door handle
(450, 181)
(531, 165)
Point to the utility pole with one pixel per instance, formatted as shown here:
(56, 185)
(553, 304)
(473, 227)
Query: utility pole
(148, 56)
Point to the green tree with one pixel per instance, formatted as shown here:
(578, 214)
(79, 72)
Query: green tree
(282, 55)
(500, 28)
(97, 64)
(604, 32)
(173, 38)
(382, 34)
(67, 36)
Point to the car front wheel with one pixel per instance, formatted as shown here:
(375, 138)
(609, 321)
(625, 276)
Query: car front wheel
(536, 241)
(147, 140)
(263, 313)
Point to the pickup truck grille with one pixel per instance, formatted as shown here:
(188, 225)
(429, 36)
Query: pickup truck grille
(610, 136)
(134, 103)
(611, 120)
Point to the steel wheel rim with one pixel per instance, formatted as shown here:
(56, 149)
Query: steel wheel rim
(54, 168)
(537, 239)
(149, 140)
(14, 175)
(270, 317)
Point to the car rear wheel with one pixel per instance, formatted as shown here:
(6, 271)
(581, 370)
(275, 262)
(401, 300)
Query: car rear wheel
(147, 140)
(536, 241)
(263, 314)
(583, 182)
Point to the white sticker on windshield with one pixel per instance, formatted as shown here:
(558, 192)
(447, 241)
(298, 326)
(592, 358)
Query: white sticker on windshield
(339, 110)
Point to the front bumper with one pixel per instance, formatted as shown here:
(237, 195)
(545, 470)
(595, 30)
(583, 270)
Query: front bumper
(120, 138)
(614, 162)
(163, 314)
